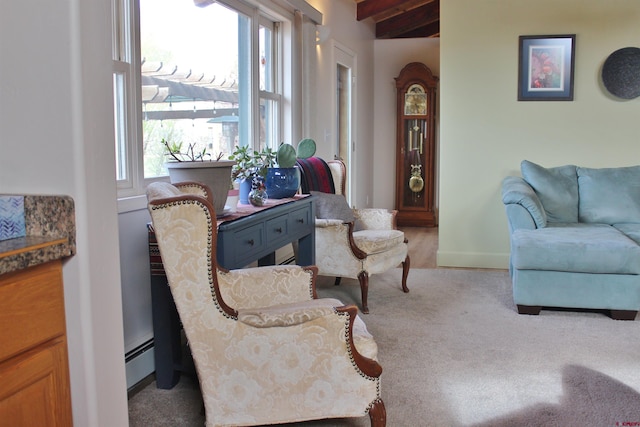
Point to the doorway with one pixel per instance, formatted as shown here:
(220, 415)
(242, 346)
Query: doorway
(345, 76)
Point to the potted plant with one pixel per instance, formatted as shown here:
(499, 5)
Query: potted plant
(283, 180)
(200, 166)
(249, 164)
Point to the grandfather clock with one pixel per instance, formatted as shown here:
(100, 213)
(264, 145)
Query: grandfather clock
(415, 146)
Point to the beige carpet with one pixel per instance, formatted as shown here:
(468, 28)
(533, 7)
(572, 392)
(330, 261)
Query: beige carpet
(455, 353)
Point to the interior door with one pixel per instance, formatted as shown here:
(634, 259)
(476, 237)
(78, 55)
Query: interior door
(345, 76)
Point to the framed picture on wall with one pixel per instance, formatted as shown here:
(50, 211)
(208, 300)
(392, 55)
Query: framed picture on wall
(545, 68)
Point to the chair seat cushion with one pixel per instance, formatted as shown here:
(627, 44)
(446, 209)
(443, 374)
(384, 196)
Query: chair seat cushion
(583, 248)
(376, 241)
(363, 340)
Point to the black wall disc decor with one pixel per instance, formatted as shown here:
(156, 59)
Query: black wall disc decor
(621, 73)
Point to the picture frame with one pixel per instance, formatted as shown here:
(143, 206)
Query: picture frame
(546, 67)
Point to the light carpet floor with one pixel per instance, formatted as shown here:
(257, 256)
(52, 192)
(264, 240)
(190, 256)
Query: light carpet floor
(455, 352)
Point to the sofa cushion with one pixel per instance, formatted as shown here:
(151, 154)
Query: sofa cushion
(632, 231)
(609, 195)
(557, 189)
(584, 248)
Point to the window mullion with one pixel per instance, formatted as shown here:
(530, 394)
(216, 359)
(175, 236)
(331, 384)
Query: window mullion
(255, 78)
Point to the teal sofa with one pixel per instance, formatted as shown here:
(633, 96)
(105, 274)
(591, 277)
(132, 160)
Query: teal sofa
(575, 238)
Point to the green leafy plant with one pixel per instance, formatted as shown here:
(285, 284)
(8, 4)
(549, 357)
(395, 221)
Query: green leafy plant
(287, 154)
(174, 151)
(251, 163)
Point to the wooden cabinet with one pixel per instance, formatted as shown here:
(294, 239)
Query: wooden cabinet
(415, 146)
(34, 367)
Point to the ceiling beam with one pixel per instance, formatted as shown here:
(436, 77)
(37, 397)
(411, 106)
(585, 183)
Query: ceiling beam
(409, 21)
(430, 30)
(382, 9)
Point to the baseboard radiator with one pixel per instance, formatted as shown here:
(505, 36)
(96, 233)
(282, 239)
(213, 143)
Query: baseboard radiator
(139, 363)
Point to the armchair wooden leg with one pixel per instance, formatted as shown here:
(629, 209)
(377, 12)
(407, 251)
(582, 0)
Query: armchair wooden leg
(363, 278)
(378, 414)
(405, 273)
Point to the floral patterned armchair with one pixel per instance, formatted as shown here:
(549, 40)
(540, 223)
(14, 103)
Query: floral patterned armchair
(353, 243)
(266, 349)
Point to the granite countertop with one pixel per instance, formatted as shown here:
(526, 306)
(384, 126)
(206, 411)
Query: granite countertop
(47, 234)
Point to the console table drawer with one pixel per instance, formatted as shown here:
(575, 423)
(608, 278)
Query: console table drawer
(300, 220)
(247, 243)
(277, 229)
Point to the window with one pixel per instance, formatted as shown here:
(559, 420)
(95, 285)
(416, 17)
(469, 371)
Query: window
(208, 74)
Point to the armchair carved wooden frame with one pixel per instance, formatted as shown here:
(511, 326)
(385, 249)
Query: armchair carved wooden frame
(267, 350)
(357, 248)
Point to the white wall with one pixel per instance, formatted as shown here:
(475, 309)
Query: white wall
(340, 16)
(485, 132)
(56, 137)
(390, 57)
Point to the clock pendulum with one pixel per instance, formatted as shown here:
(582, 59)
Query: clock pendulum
(416, 182)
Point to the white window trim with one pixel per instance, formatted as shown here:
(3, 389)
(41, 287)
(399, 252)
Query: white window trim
(131, 194)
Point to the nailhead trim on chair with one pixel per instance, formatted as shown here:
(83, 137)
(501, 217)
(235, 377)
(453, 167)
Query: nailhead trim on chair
(378, 399)
(209, 249)
(353, 362)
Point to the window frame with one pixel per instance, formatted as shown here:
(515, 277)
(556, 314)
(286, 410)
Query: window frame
(126, 63)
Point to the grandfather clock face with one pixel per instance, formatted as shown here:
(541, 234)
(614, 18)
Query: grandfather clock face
(415, 101)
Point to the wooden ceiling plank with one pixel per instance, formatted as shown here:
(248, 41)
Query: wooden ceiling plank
(376, 8)
(426, 31)
(416, 18)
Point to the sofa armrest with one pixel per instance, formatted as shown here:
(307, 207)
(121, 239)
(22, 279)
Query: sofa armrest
(516, 191)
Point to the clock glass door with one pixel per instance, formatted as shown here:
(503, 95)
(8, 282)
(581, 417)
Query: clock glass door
(415, 132)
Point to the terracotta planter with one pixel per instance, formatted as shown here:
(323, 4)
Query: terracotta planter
(216, 175)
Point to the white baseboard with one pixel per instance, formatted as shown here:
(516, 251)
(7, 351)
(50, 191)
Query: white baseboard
(472, 260)
(139, 364)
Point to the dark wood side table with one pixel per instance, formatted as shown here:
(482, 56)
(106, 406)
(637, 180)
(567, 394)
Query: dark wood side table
(253, 234)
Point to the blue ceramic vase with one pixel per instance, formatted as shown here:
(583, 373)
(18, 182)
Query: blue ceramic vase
(282, 182)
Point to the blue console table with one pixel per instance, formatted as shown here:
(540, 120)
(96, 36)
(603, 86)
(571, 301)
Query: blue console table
(252, 234)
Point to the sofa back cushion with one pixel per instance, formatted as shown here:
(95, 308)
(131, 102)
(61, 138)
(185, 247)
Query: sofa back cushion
(557, 189)
(609, 195)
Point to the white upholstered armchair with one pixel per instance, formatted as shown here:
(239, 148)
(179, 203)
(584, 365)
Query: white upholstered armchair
(353, 243)
(266, 349)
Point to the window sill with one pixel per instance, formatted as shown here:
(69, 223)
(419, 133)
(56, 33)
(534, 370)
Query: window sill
(130, 204)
